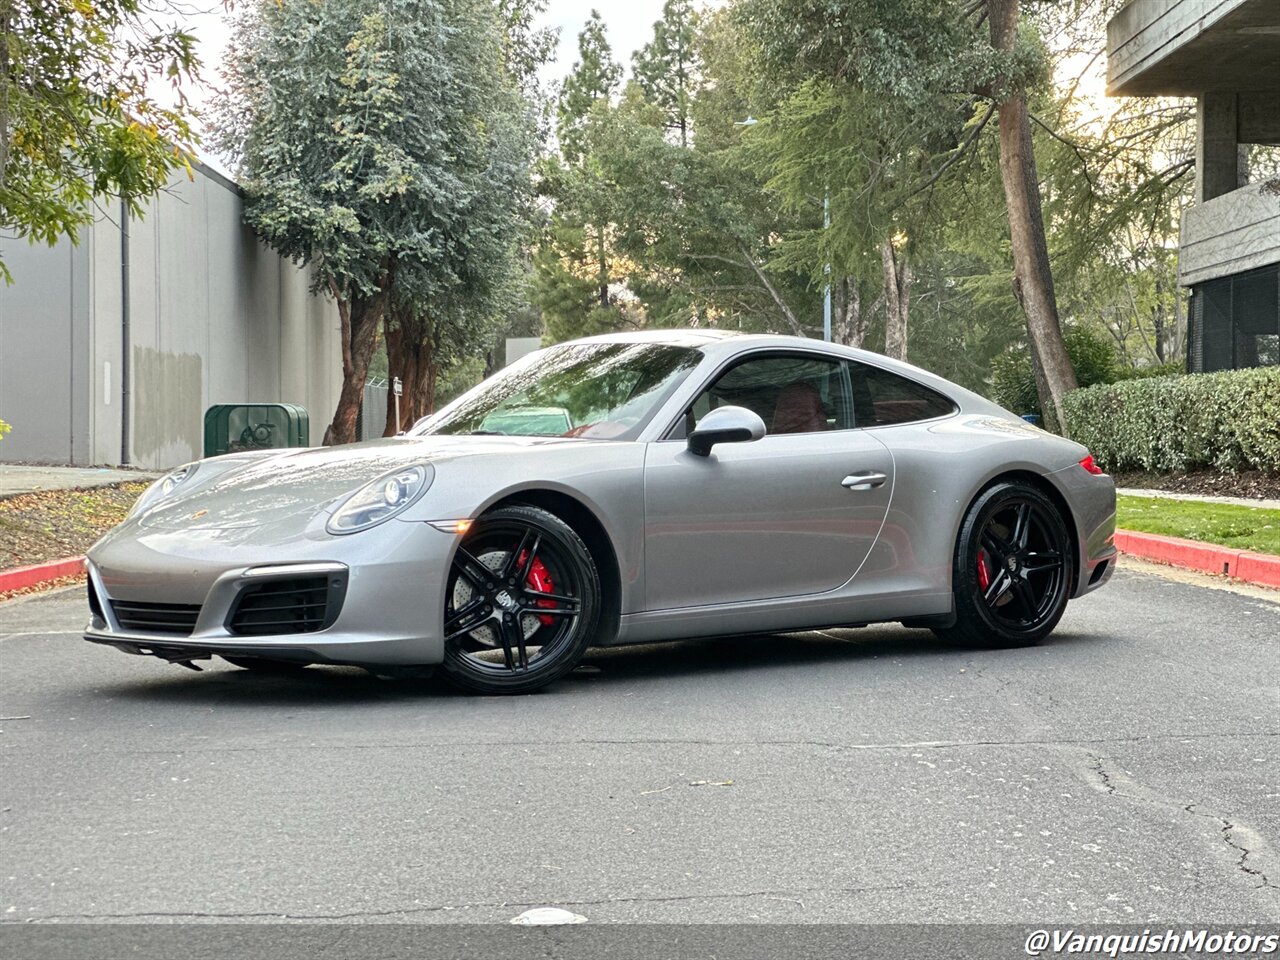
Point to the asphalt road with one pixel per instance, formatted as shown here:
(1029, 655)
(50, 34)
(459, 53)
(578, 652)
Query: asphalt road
(1128, 770)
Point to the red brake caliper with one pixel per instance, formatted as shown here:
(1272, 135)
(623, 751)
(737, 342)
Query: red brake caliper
(540, 582)
(984, 576)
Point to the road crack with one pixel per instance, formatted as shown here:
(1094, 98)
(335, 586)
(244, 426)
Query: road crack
(1229, 831)
(1110, 783)
(789, 894)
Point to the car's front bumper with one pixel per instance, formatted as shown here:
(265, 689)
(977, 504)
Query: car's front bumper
(386, 598)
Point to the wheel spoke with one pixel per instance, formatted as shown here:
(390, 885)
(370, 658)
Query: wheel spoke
(999, 585)
(996, 547)
(558, 598)
(1040, 562)
(480, 576)
(1021, 526)
(1026, 598)
(526, 568)
(524, 654)
(465, 620)
(506, 635)
(516, 570)
(554, 612)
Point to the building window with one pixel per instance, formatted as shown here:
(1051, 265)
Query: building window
(1235, 322)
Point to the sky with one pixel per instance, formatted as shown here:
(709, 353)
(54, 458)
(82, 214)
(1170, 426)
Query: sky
(629, 25)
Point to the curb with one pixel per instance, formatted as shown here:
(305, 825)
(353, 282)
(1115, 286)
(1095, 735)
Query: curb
(19, 578)
(1258, 568)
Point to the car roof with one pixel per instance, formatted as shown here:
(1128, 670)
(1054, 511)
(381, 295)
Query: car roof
(676, 337)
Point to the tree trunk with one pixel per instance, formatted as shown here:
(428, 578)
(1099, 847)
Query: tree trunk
(1032, 277)
(844, 298)
(602, 268)
(897, 291)
(1048, 415)
(1157, 320)
(431, 368)
(411, 356)
(359, 316)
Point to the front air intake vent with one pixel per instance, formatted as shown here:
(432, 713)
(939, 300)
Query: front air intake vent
(295, 605)
(177, 619)
(95, 605)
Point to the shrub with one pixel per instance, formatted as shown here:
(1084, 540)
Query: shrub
(1228, 420)
(1013, 385)
(4, 428)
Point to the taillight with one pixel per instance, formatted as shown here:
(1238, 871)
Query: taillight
(1092, 467)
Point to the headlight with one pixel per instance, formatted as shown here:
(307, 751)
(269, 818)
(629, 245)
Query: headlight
(163, 487)
(380, 500)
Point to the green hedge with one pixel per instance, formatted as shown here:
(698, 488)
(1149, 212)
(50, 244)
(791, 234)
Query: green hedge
(1228, 420)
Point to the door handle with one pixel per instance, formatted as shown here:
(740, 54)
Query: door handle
(865, 480)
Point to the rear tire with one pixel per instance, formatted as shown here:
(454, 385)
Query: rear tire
(264, 665)
(1011, 575)
(522, 602)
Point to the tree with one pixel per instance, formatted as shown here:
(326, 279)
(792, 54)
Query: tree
(593, 80)
(934, 81)
(574, 266)
(666, 67)
(361, 131)
(446, 307)
(1032, 276)
(78, 121)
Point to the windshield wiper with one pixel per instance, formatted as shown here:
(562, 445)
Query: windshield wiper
(486, 433)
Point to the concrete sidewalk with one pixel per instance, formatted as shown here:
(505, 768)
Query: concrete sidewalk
(18, 478)
(1169, 495)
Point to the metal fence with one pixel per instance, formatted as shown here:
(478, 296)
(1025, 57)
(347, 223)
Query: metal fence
(373, 410)
(1235, 322)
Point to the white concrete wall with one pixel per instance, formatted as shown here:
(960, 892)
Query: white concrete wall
(1235, 232)
(214, 317)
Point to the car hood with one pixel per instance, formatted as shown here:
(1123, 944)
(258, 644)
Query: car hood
(240, 491)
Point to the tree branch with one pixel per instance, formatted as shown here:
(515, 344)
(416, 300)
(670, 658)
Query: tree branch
(955, 155)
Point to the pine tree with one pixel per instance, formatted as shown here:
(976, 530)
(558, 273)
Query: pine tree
(594, 80)
(666, 68)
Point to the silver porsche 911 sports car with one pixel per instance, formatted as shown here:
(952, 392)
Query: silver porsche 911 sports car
(614, 490)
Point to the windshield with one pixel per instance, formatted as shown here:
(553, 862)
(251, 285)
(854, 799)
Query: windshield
(600, 391)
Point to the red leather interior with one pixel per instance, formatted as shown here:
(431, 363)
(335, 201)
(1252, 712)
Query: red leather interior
(799, 410)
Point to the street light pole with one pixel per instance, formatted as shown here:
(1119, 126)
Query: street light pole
(826, 225)
(826, 295)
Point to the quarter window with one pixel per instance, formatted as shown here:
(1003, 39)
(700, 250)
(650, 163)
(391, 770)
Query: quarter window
(881, 398)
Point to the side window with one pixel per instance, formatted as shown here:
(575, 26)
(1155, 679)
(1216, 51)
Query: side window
(791, 394)
(881, 398)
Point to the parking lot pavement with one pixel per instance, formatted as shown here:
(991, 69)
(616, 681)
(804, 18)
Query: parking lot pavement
(1127, 770)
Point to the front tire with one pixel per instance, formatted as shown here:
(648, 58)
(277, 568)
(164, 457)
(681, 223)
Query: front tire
(1012, 569)
(521, 603)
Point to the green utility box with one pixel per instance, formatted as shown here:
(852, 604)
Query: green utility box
(234, 427)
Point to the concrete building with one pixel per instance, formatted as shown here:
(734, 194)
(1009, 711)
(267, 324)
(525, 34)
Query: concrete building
(111, 350)
(1226, 53)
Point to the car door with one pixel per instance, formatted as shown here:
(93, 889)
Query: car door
(794, 513)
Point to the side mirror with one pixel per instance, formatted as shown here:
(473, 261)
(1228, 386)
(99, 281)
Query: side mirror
(725, 425)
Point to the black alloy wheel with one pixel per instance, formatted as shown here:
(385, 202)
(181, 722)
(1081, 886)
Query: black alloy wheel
(1012, 571)
(521, 602)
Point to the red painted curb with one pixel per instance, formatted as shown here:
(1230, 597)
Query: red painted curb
(1205, 557)
(1258, 568)
(19, 578)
